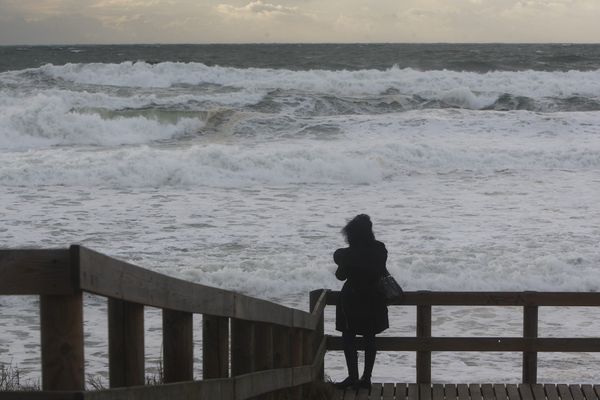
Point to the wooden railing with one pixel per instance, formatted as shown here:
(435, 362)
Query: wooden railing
(273, 347)
(529, 344)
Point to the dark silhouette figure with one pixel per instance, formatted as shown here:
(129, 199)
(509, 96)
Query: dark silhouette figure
(361, 309)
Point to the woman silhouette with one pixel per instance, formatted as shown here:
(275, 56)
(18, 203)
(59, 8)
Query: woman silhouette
(361, 309)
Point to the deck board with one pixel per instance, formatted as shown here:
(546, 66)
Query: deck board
(388, 391)
(588, 392)
(475, 391)
(450, 391)
(376, 391)
(487, 390)
(565, 393)
(463, 391)
(576, 392)
(437, 392)
(551, 392)
(500, 392)
(538, 392)
(525, 391)
(426, 391)
(413, 391)
(513, 392)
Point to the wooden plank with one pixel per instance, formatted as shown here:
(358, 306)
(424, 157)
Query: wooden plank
(475, 392)
(317, 302)
(576, 392)
(597, 390)
(376, 391)
(125, 343)
(207, 389)
(413, 391)
(350, 394)
(500, 392)
(282, 356)
(43, 272)
(45, 395)
(215, 348)
(487, 391)
(538, 392)
(450, 391)
(583, 299)
(261, 382)
(242, 347)
(525, 391)
(437, 391)
(263, 342)
(400, 391)
(338, 394)
(588, 391)
(425, 391)
(61, 323)
(463, 391)
(551, 392)
(513, 392)
(178, 346)
(564, 392)
(106, 276)
(476, 344)
(388, 391)
(362, 394)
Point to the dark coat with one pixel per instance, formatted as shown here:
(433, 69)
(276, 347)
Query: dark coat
(361, 309)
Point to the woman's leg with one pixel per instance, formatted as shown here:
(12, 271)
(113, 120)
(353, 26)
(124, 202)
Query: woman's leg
(351, 354)
(370, 353)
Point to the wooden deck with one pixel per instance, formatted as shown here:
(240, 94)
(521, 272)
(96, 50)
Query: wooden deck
(424, 391)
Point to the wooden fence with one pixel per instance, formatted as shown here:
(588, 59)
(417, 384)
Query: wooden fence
(529, 344)
(250, 346)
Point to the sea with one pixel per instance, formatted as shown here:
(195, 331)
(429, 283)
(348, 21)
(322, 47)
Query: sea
(236, 166)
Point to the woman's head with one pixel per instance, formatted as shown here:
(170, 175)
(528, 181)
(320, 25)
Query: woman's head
(359, 231)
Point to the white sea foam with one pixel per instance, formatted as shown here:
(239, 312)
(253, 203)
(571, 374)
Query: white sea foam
(535, 84)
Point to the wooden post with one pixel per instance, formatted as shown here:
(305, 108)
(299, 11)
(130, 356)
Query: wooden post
(242, 347)
(61, 320)
(530, 330)
(125, 343)
(282, 356)
(297, 355)
(320, 330)
(263, 351)
(263, 346)
(423, 331)
(178, 346)
(215, 347)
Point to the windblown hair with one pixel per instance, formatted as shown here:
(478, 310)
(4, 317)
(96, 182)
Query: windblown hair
(359, 231)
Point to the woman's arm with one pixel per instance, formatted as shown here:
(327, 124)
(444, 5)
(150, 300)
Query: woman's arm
(342, 271)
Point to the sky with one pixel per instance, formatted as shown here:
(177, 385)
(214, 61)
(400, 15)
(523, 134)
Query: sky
(292, 21)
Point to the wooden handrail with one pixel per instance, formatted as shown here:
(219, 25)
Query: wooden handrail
(528, 298)
(529, 344)
(61, 276)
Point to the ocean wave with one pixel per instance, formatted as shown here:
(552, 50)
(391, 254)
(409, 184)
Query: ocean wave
(535, 84)
(52, 119)
(219, 165)
(45, 120)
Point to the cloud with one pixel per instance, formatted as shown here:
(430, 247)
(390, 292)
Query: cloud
(256, 9)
